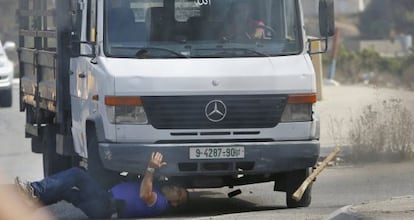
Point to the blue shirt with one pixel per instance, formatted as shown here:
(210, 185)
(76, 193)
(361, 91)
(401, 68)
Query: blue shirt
(135, 207)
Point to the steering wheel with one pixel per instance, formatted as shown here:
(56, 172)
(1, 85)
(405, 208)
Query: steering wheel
(269, 32)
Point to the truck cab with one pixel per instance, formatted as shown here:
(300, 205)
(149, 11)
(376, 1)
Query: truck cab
(225, 89)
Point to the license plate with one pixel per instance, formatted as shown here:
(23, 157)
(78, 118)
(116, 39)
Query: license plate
(198, 153)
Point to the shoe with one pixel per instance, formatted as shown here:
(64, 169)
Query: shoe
(27, 191)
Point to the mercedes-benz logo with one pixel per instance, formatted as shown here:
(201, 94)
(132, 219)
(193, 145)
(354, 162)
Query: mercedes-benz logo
(216, 111)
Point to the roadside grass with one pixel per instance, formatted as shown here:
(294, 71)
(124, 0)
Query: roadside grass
(383, 132)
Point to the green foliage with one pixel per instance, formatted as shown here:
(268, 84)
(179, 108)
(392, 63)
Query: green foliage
(351, 64)
(382, 18)
(409, 16)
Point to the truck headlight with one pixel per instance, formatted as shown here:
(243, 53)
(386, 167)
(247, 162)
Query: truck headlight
(297, 113)
(125, 110)
(299, 108)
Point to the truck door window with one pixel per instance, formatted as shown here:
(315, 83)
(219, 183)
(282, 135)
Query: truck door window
(91, 24)
(76, 18)
(291, 20)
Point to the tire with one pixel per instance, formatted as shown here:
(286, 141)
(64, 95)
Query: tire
(37, 145)
(6, 99)
(53, 162)
(106, 178)
(293, 180)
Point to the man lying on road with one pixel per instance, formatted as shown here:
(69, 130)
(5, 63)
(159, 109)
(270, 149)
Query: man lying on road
(124, 200)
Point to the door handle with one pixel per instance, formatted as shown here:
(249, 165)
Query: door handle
(82, 75)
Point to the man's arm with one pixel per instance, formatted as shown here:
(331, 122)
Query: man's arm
(146, 193)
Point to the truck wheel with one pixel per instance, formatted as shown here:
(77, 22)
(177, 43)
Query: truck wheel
(293, 180)
(53, 162)
(106, 178)
(6, 98)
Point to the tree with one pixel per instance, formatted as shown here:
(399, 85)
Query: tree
(403, 16)
(383, 18)
(376, 21)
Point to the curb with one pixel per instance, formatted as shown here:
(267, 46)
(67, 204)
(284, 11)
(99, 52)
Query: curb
(345, 213)
(401, 207)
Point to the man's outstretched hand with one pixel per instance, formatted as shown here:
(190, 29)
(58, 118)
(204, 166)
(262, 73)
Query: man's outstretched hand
(146, 190)
(156, 161)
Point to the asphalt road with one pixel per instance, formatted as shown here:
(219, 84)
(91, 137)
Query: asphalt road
(335, 187)
(15, 155)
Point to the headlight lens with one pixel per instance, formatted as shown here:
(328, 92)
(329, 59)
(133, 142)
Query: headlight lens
(297, 113)
(125, 110)
(134, 115)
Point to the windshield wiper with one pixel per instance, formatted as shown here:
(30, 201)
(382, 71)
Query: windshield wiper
(245, 50)
(143, 52)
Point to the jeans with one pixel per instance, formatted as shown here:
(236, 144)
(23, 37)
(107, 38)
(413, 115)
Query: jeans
(77, 187)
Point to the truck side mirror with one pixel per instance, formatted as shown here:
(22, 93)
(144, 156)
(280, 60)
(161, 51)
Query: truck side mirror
(76, 47)
(326, 18)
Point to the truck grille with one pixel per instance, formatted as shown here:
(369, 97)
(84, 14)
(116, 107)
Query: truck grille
(190, 112)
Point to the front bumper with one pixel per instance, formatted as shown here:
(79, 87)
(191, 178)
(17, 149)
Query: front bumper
(260, 158)
(6, 76)
(5, 82)
(5, 85)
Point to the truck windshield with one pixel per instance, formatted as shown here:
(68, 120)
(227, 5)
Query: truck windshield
(201, 28)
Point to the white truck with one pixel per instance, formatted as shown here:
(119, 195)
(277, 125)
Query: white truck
(105, 83)
(6, 75)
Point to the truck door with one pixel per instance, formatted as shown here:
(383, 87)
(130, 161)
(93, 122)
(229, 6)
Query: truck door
(81, 69)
